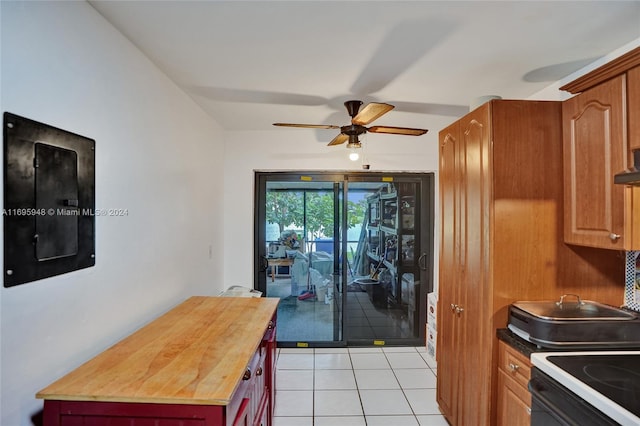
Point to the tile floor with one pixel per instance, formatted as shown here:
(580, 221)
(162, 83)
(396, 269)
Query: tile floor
(392, 386)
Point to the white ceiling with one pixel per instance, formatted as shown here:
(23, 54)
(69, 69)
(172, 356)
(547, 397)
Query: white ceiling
(250, 64)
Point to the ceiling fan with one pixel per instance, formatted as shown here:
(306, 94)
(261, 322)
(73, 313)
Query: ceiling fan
(359, 119)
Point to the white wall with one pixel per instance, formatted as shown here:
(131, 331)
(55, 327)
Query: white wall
(553, 92)
(299, 149)
(157, 155)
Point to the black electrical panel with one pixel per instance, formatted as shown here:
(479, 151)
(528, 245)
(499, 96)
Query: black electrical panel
(49, 201)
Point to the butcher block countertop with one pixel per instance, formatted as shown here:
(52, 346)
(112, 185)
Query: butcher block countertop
(195, 354)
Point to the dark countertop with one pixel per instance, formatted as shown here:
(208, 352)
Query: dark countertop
(518, 343)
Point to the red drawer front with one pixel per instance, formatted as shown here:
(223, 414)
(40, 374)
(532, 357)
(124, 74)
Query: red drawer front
(73, 413)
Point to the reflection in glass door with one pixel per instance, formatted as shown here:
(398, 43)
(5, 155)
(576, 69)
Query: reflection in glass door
(369, 231)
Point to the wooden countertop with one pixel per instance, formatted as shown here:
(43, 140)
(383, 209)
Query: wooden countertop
(196, 353)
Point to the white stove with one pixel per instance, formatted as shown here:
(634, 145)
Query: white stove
(609, 381)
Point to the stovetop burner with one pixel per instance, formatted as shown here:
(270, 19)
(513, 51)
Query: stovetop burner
(615, 376)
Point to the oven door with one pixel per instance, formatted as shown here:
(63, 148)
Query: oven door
(553, 404)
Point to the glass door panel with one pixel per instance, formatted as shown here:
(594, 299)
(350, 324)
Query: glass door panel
(386, 291)
(301, 257)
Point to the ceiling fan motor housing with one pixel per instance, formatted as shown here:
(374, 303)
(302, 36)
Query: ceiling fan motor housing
(353, 107)
(353, 129)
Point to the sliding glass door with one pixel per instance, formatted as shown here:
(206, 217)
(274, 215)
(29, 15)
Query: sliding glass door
(299, 252)
(349, 255)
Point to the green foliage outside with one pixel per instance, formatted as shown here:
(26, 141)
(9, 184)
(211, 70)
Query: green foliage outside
(287, 210)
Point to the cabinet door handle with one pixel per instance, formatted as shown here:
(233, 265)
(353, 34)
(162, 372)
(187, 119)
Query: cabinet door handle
(247, 374)
(459, 310)
(453, 307)
(259, 371)
(614, 237)
(513, 367)
(529, 410)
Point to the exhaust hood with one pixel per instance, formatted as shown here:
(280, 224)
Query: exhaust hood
(630, 176)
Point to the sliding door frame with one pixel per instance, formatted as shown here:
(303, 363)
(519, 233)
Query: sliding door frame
(427, 242)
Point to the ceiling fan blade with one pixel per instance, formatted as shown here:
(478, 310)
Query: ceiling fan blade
(307, 126)
(397, 130)
(340, 139)
(370, 112)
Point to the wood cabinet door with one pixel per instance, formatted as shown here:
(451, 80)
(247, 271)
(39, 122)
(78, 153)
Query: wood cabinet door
(512, 409)
(448, 354)
(594, 150)
(514, 399)
(473, 314)
(463, 379)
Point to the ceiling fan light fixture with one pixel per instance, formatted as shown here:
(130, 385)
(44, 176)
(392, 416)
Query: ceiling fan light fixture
(354, 143)
(353, 155)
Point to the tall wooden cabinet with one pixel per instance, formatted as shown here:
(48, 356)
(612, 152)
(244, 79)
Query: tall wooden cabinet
(601, 128)
(500, 177)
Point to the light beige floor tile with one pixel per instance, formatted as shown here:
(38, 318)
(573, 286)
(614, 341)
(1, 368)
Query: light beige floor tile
(295, 361)
(429, 360)
(337, 403)
(340, 421)
(334, 379)
(296, 350)
(369, 361)
(415, 378)
(384, 402)
(332, 361)
(293, 421)
(393, 349)
(406, 360)
(376, 379)
(294, 380)
(392, 420)
(432, 420)
(294, 403)
(366, 349)
(422, 401)
(331, 351)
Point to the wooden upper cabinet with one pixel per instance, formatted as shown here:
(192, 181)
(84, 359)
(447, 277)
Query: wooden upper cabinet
(601, 128)
(594, 151)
